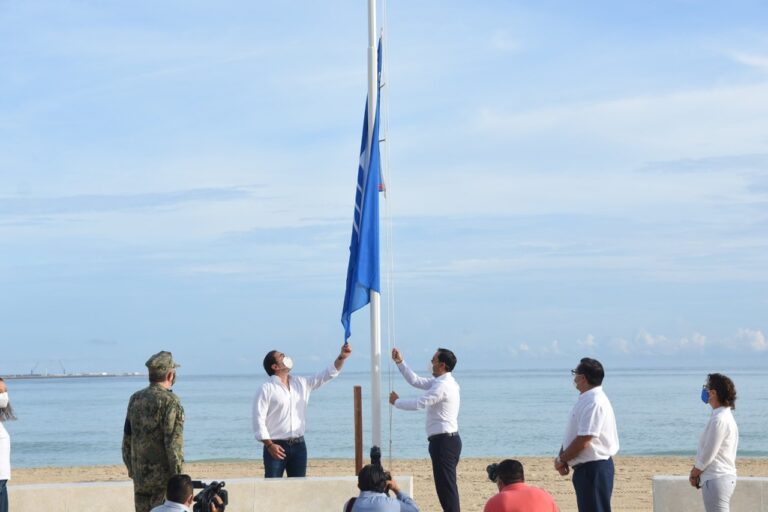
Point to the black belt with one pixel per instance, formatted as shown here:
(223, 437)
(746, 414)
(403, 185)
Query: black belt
(292, 440)
(446, 434)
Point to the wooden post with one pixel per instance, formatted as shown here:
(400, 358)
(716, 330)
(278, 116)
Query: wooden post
(358, 392)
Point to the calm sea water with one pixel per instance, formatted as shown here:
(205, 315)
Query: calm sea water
(68, 422)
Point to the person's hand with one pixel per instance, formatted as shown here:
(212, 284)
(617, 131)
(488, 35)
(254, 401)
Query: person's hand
(276, 451)
(216, 506)
(695, 478)
(397, 357)
(392, 486)
(346, 351)
(562, 467)
(393, 397)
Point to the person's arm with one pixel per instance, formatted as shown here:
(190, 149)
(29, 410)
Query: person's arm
(173, 430)
(331, 372)
(127, 446)
(408, 374)
(575, 448)
(259, 420)
(431, 397)
(406, 503)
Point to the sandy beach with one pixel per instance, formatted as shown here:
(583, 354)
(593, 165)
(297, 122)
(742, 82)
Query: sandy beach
(632, 491)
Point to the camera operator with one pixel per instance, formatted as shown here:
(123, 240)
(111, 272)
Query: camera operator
(179, 496)
(374, 484)
(514, 494)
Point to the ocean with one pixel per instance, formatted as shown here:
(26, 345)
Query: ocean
(79, 421)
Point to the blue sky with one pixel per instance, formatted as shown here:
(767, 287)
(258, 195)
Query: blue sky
(566, 179)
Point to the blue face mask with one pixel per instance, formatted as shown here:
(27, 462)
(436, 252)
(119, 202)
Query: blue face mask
(705, 395)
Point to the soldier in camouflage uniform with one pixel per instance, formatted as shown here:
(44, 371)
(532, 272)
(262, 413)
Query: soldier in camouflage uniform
(153, 439)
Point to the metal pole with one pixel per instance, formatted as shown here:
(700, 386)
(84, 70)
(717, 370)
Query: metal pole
(358, 394)
(373, 85)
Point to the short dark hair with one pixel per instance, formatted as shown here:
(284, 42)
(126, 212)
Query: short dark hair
(155, 377)
(179, 489)
(269, 360)
(592, 370)
(723, 386)
(372, 478)
(510, 471)
(446, 356)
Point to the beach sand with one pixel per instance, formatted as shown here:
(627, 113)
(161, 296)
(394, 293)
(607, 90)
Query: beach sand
(632, 487)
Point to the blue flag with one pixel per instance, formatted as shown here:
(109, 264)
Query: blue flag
(363, 269)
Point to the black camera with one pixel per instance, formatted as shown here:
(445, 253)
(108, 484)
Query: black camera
(491, 470)
(207, 496)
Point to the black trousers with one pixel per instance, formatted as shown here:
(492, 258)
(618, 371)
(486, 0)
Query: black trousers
(593, 483)
(445, 451)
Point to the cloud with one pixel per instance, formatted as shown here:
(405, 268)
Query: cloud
(45, 206)
(755, 162)
(587, 343)
(752, 339)
(759, 62)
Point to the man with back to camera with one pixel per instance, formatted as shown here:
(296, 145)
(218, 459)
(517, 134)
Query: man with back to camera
(591, 440)
(280, 411)
(153, 435)
(442, 403)
(179, 495)
(514, 494)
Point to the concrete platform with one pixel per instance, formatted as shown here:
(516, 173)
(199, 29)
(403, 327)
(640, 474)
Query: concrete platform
(675, 494)
(316, 494)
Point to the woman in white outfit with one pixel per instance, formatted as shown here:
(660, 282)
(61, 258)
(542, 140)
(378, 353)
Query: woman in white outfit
(6, 413)
(715, 468)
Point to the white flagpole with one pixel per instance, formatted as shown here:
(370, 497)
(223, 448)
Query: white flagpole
(375, 298)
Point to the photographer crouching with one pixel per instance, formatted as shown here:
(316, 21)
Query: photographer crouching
(514, 494)
(374, 484)
(180, 496)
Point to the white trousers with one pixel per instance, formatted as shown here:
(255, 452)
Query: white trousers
(717, 493)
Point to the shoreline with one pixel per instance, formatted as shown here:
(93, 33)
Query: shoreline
(632, 484)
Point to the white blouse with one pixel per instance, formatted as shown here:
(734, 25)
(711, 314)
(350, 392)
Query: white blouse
(5, 453)
(716, 456)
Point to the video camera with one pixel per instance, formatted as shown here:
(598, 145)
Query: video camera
(492, 473)
(207, 496)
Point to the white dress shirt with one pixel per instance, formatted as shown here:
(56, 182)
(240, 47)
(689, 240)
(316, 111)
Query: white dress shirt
(441, 400)
(280, 412)
(170, 506)
(5, 453)
(716, 455)
(593, 416)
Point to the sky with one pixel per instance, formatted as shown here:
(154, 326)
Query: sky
(565, 179)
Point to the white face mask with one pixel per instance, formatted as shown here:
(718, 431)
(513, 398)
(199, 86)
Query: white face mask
(3, 400)
(288, 362)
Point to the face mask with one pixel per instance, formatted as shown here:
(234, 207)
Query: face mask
(3, 400)
(705, 395)
(288, 362)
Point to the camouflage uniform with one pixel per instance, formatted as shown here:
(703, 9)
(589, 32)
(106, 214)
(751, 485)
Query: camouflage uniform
(153, 439)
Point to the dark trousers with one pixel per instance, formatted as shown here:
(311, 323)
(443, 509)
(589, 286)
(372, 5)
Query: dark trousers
(294, 463)
(3, 496)
(148, 499)
(593, 483)
(444, 452)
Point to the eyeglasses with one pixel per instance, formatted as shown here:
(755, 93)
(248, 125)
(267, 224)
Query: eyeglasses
(575, 372)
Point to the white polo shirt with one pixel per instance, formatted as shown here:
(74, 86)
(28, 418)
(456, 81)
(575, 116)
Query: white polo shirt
(716, 455)
(442, 400)
(593, 416)
(5, 453)
(280, 412)
(170, 506)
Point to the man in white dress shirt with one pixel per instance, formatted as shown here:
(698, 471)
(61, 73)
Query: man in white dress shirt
(280, 412)
(442, 403)
(591, 440)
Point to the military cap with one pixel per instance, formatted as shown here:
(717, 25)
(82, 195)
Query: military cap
(161, 362)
